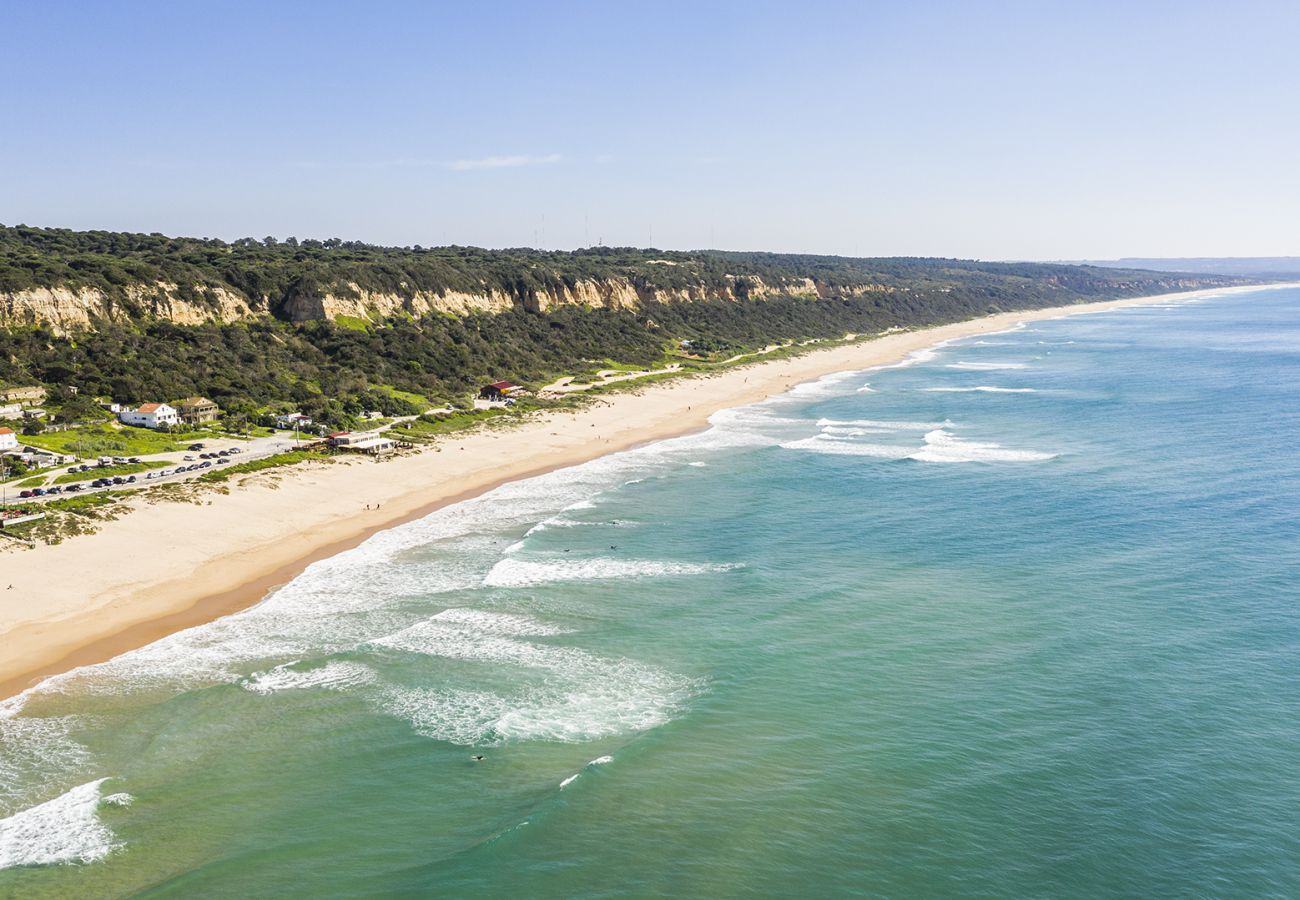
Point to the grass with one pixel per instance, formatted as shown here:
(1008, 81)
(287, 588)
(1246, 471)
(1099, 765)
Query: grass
(110, 471)
(70, 516)
(292, 458)
(419, 400)
(352, 323)
(37, 481)
(112, 440)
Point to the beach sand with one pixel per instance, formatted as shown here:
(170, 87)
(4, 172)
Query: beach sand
(173, 565)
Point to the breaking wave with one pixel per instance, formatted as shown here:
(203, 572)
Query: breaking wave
(945, 447)
(521, 573)
(63, 830)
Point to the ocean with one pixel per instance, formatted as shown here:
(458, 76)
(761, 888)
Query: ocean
(1017, 617)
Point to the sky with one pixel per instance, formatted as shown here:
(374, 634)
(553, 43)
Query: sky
(991, 130)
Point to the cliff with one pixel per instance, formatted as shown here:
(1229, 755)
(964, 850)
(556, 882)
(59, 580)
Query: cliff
(72, 281)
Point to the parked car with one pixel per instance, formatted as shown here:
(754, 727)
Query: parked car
(73, 488)
(135, 459)
(189, 458)
(26, 495)
(118, 479)
(195, 447)
(130, 479)
(38, 492)
(55, 490)
(206, 465)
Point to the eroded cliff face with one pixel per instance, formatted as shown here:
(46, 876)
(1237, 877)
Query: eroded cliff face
(68, 310)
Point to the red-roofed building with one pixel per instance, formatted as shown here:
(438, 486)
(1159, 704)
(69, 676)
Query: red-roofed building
(499, 390)
(8, 440)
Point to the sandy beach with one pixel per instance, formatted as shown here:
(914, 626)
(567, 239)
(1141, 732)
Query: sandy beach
(173, 565)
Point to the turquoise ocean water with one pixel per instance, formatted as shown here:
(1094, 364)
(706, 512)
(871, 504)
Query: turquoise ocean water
(1017, 618)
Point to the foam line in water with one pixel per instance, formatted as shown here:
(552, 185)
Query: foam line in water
(63, 830)
(979, 389)
(880, 425)
(945, 447)
(836, 447)
(986, 366)
(335, 675)
(522, 573)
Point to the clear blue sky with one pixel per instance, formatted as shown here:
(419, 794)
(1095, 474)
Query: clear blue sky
(992, 130)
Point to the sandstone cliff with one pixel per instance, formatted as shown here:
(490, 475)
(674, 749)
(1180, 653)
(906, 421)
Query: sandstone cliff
(69, 310)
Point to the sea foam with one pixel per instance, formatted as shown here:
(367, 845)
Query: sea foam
(944, 447)
(979, 389)
(63, 830)
(986, 366)
(522, 573)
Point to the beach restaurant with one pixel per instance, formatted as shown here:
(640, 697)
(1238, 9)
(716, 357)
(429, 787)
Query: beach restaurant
(499, 390)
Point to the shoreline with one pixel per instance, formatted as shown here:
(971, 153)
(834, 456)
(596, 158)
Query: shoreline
(96, 596)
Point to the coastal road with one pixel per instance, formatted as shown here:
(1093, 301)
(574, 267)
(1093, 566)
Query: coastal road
(256, 448)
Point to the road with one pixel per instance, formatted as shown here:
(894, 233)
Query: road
(255, 448)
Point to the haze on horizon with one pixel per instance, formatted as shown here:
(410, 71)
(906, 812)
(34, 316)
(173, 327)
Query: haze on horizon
(1000, 130)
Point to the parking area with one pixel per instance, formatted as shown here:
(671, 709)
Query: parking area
(119, 473)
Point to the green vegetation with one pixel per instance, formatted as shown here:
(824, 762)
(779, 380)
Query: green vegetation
(332, 371)
(352, 323)
(293, 457)
(89, 441)
(69, 516)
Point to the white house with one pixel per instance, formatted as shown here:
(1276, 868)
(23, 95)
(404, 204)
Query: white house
(8, 440)
(150, 415)
(11, 411)
(292, 420)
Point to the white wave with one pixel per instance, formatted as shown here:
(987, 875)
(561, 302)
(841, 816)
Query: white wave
(521, 573)
(826, 385)
(600, 761)
(335, 675)
(836, 447)
(487, 622)
(35, 751)
(944, 447)
(63, 830)
(121, 799)
(583, 697)
(983, 389)
(697, 464)
(986, 366)
(879, 425)
(866, 389)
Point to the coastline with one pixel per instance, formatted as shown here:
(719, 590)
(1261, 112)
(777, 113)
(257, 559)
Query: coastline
(176, 565)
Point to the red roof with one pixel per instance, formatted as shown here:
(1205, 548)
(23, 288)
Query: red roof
(149, 407)
(335, 434)
(6, 431)
(503, 385)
